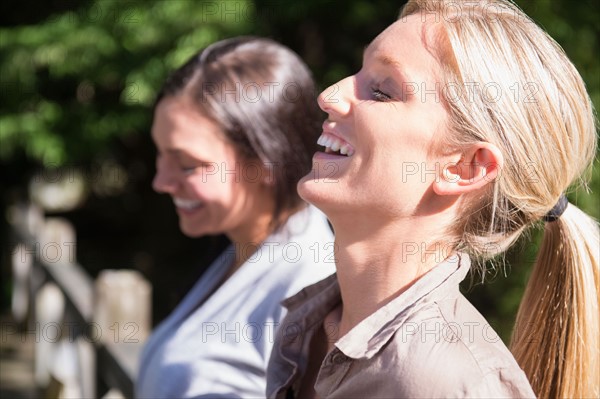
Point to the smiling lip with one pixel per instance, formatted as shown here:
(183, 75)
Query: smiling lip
(334, 143)
(328, 156)
(187, 206)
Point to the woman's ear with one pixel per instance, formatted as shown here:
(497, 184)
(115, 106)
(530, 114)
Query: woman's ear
(268, 174)
(478, 166)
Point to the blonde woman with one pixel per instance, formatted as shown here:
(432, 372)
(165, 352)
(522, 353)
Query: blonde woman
(434, 156)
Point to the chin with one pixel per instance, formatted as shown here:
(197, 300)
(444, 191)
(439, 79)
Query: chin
(192, 231)
(315, 193)
(306, 189)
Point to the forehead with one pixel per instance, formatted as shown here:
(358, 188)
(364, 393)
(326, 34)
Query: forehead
(178, 127)
(174, 117)
(410, 42)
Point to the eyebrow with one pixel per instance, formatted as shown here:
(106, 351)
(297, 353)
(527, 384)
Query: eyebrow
(170, 151)
(177, 153)
(388, 61)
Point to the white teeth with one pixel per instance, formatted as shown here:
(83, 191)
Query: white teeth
(334, 144)
(186, 204)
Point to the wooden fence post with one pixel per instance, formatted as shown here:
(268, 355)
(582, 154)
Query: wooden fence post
(122, 306)
(123, 313)
(88, 336)
(49, 313)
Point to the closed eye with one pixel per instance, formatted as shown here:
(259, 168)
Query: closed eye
(189, 171)
(378, 95)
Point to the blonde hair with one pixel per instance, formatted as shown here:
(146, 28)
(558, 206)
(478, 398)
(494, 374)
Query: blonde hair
(507, 82)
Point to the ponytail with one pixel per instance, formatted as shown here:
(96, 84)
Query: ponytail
(557, 333)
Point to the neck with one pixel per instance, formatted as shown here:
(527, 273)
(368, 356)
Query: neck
(247, 238)
(376, 263)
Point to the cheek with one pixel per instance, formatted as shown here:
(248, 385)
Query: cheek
(214, 188)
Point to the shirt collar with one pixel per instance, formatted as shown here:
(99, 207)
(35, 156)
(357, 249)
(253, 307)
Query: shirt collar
(316, 300)
(370, 335)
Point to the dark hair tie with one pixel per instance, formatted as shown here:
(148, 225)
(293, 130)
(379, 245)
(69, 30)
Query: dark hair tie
(557, 210)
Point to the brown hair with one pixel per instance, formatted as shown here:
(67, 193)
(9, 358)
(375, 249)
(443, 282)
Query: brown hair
(264, 98)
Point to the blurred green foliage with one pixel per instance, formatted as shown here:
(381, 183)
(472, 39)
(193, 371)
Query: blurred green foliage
(78, 79)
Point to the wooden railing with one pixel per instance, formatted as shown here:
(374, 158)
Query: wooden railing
(86, 344)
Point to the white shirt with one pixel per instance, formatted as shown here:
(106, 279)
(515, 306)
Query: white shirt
(221, 348)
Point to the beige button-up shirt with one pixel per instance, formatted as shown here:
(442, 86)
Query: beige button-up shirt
(429, 342)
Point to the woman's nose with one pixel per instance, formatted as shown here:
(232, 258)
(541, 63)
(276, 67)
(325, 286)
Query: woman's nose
(164, 181)
(337, 98)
